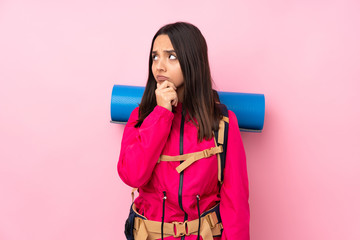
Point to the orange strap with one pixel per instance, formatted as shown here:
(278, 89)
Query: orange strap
(222, 129)
(221, 141)
(219, 164)
(190, 158)
(132, 193)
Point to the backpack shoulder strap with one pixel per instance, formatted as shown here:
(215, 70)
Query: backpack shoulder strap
(221, 137)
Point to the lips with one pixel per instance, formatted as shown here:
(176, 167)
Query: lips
(161, 78)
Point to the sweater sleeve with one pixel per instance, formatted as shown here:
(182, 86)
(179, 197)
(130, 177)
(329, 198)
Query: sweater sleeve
(141, 147)
(234, 193)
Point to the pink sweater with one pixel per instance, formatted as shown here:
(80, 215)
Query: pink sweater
(158, 135)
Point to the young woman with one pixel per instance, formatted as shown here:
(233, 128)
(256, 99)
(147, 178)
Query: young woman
(163, 149)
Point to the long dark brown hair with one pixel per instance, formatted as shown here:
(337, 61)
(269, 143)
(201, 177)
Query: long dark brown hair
(199, 96)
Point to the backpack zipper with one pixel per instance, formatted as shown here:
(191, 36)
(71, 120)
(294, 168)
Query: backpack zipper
(182, 173)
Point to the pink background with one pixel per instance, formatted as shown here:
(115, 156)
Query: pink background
(59, 61)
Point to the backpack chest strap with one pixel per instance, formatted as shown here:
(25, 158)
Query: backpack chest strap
(190, 158)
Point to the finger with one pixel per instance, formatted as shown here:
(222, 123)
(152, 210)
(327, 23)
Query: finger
(175, 102)
(167, 84)
(167, 90)
(171, 84)
(171, 98)
(175, 97)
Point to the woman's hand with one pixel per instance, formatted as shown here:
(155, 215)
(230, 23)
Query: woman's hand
(166, 95)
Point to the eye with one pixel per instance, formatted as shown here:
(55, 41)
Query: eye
(155, 57)
(172, 57)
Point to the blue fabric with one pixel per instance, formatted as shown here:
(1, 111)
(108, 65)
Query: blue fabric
(249, 108)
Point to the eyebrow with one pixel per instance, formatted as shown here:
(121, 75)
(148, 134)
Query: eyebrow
(167, 51)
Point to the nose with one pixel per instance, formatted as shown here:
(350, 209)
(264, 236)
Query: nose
(160, 65)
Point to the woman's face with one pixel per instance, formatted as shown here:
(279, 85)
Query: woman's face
(165, 65)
